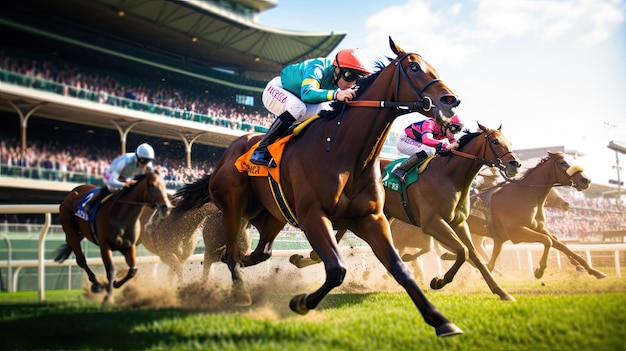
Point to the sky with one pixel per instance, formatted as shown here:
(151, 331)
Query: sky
(550, 72)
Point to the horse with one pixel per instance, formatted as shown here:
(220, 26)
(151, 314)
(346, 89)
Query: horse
(330, 178)
(553, 200)
(438, 201)
(173, 238)
(116, 225)
(516, 210)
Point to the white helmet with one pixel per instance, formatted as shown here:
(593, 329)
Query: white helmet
(145, 153)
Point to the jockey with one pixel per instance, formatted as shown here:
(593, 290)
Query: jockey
(423, 139)
(303, 89)
(122, 171)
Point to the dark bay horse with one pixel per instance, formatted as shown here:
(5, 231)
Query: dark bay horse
(516, 210)
(116, 226)
(330, 178)
(173, 238)
(439, 201)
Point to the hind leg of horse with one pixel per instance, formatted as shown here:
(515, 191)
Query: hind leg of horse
(81, 261)
(109, 268)
(446, 236)
(377, 234)
(131, 261)
(319, 233)
(301, 261)
(268, 227)
(578, 259)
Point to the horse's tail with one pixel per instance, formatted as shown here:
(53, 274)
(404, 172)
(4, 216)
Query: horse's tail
(193, 195)
(62, 253)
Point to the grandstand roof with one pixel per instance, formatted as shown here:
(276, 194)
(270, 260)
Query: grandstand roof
(204, 33)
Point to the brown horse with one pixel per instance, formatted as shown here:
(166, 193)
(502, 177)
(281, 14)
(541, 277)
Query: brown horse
(553, 200)
(330, 178)
(116, 226)
(173, 238)
(516, 210)
(439, 201)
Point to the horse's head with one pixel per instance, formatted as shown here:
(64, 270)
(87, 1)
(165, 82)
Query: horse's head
(417, 81)
(155, 193)
(568, 173)
(493, 149)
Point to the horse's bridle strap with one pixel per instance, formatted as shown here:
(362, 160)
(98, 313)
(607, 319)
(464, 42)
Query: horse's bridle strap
(373, 103)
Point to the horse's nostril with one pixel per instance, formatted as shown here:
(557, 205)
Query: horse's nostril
(450, 100)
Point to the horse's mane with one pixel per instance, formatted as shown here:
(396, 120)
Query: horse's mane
(540, 162)
(362, 84)
(467, 137)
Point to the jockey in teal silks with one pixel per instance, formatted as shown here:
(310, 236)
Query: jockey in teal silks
(303, 89)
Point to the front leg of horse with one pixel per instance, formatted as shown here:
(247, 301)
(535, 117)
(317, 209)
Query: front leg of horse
(132, 271)
(81, 261)
(577, 260)
(385, 252)
(131, 261)
(240, 294)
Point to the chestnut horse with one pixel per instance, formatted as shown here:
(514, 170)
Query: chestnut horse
(116, 224)
(516, 210)
(330, 178)
(174, 240)
(439, 201)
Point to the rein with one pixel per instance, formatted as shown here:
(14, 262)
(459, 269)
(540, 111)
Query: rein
(572, 169)
(493, 163)
(424, 103)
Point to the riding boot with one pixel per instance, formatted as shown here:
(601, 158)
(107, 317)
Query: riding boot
(402, 169)
(97, 196)
(261, 156)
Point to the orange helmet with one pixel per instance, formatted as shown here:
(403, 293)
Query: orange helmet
(353, 59)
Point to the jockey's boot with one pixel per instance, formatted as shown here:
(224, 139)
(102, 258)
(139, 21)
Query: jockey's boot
(97, 196)
(402, 169)
(261, 156)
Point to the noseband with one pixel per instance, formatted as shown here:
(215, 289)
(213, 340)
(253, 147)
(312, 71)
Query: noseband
(493, 163)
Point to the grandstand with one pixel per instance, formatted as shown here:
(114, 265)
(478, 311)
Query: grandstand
(185, 75)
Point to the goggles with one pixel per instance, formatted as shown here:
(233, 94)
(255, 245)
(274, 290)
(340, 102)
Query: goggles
(144, 161)
(453, 128)
(350, 75)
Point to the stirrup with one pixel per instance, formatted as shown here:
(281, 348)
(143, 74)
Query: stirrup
(401, 174)
(261, 158)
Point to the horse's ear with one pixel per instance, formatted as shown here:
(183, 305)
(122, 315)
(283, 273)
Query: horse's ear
(500, 128)
(395, 48)
(481, 127)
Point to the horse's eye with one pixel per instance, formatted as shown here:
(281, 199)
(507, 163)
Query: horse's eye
(495, 142)
(415, 67)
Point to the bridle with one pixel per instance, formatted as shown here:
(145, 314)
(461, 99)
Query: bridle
(424, 103)
(154, 204)
(570, 171)
(490, 162)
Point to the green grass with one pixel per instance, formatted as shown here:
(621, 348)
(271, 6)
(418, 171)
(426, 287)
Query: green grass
(552, 314)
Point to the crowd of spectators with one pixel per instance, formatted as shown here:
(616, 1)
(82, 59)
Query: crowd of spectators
(172, 92)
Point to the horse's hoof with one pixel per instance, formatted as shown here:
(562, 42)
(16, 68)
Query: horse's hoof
(597, 274)
(437, 283)
(117, 284)
(295, 260)
(298, 304)
(448, 256)
(507, 297)
(448, 329)
(242, 299)
(96, 288)
(539, 272)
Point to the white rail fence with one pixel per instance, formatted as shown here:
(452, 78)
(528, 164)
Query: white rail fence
(15, 266)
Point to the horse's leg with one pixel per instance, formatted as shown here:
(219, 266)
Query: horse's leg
(131, 261)
(581, 261)
(376, 232)
(464, 235)
(174, 264)
(497, 249)
(441, 231)
(301, 261)
(81, 261)
(319, 233)
(109, 267)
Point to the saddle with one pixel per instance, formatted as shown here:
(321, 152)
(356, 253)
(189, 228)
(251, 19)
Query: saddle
(392, 182)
